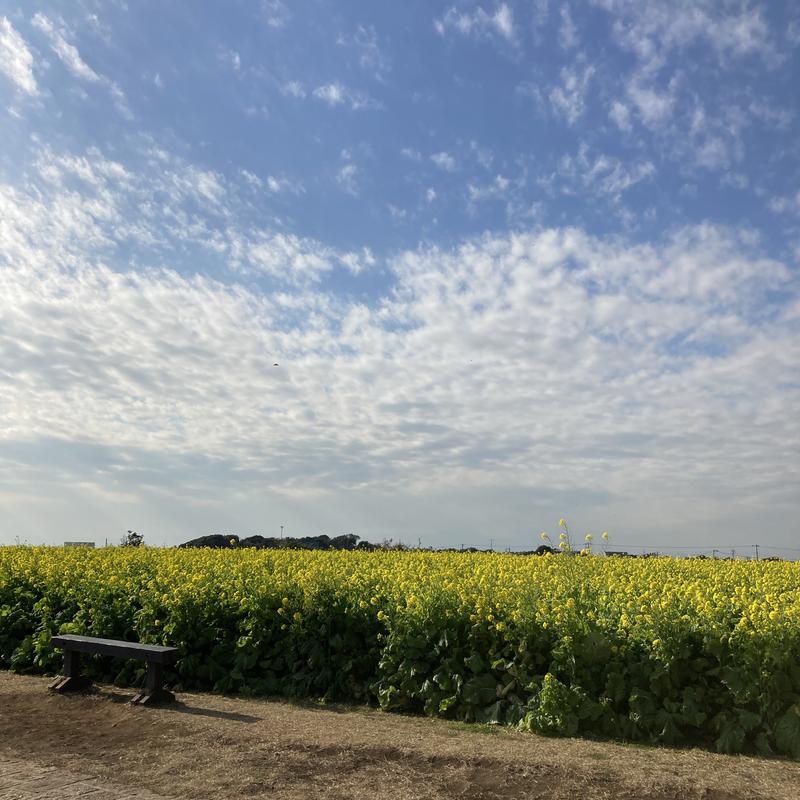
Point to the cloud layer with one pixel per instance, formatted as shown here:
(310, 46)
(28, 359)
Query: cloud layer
(550, 360)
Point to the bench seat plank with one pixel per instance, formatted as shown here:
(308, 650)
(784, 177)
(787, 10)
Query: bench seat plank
(114, 647)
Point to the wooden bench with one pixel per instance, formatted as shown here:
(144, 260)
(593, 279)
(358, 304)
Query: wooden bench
(155, 656)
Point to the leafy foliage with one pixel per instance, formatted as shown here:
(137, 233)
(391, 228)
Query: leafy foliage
(132, 539)
(655, 650)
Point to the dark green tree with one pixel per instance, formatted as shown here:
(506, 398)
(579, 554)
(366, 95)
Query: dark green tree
(132, 539)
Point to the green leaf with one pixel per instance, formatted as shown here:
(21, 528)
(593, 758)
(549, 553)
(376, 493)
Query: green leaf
(491, 714)
(480, 690)
(475, 663)
(447, 703)
(787, 732)
(748, 720)
(731, 738)
(763, 746)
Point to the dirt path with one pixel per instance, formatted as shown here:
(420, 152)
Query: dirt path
(218, 748)
(26, 780)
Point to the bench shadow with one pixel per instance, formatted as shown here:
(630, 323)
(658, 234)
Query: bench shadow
(177, 706)
(181, 708)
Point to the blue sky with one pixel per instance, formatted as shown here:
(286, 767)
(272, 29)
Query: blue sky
(514, 261)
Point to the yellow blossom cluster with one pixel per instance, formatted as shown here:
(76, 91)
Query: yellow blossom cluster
(390, 624)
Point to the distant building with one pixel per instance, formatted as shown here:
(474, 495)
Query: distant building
(78, 544)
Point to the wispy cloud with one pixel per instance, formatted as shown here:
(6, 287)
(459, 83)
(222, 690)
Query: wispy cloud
(276, 13)
(654, 107)
(166, 209)
(337, 94)
(347, 178)
(785, 204)
(67, 52)
(653, 28)
(496, 189)
(499, 22)
(620, 114)
(371, 56)
(569, 98)
(71, 58)
(567, 31)
(603, 174)
(294, 89)
(16, 61)
(444, 161)
(272, 183)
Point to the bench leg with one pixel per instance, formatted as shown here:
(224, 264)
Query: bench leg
(153, 691)
(71, 680)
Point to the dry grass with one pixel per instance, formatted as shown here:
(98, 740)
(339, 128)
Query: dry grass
(219, 748)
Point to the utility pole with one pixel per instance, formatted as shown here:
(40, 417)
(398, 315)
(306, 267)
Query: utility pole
(756, 547)
(281, 531)
(491, 545)
(714, 553)
(733, 555)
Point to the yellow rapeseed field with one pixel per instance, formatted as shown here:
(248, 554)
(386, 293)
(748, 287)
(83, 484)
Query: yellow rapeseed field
(653, 649)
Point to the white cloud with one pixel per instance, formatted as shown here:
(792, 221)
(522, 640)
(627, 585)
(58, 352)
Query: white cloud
(358, 261)
(785, 204)
(278, 185)
(347, 178)
(256, 112)
(483, 155)
(503, 21)
(16, 61)
(231, 58)
(654, 107)
(497, 189)
(67, 52)
(551, 364)
(567, 32)
(169, 210)
(653, 28)
(712, 153)
(294, 88)
(430, 194)
(411, 154)
(602, 174)
(71, 58)
(444, 161)
(276, 13)
(569, 99)
(371, 56)
(291, 257)
(620, 115)
(478, 23)
(272, 183)
(336, 94)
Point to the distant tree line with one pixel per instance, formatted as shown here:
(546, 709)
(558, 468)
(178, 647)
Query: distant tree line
(349, 541)
(229, 541)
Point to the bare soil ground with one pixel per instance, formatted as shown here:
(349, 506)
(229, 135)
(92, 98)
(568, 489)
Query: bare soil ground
(220, 748)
